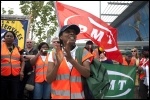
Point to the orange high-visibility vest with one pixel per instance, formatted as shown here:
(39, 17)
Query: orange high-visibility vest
(41, 69)
(132, 62)
(96, 54)
(10, 62)
(143, 62)
(68, 84)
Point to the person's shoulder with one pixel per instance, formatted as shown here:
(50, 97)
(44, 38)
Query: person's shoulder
(34, 49)
(19, 48)
(2, 43)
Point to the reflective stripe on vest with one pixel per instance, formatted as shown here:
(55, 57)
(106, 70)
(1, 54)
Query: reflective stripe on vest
(40, 66)
(8, 64)
(66, 77)
(67, 93)
(8, 56)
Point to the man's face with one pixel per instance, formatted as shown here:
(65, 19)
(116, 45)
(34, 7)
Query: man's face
(128, 58)
(56, 43)
(29, 44)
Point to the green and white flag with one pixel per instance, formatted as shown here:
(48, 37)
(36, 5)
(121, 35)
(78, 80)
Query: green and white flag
(122, 81)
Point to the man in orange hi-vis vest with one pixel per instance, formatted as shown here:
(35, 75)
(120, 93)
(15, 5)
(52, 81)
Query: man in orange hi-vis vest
(128, 60)
(65, 72)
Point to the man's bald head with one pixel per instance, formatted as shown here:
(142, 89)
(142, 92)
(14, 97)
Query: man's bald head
(28, 40)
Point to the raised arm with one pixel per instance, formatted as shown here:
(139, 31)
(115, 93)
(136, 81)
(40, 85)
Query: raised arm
(53, 66)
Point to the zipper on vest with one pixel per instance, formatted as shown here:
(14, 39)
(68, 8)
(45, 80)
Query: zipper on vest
(70, 81)
(43, 73)
(10, 62)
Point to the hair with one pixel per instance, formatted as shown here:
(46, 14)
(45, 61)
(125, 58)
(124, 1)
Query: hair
(137, 54)
(41, 44)
(10, 32)
(89, 42)
(55, 38)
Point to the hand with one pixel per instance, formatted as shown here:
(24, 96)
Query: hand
(67, 50)
(40, 52)
(21, 75)
(59, 55)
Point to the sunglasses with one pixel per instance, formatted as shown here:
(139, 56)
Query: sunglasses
(56, 42)
(133, 51)
(28, 42)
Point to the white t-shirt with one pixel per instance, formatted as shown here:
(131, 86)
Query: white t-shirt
(50, 58)
(43, 58)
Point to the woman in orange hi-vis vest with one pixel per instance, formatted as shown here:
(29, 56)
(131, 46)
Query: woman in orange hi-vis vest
(40, 61)
(65, 72)
(12, 66)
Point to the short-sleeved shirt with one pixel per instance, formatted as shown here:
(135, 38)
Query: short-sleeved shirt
(28, 66)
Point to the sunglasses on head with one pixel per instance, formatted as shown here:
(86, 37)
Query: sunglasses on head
(56, 42)
(133, 51)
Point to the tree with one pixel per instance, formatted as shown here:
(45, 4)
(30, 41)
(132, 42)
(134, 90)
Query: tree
(9, 12)
(43, 18)
(3, 11)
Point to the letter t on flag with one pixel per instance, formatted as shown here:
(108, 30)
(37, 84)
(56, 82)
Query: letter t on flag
(91, 27)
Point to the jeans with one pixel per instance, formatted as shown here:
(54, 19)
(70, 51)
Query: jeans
(42, 90)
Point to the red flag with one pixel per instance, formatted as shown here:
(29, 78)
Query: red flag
(91, 27)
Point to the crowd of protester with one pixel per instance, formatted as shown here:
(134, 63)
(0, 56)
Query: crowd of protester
(52, 69)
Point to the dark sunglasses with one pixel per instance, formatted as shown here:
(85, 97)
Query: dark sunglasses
(56, 42)
(29, 42)
(133, 51)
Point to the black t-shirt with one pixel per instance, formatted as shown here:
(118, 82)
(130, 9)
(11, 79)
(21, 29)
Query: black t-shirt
(19, 49)
(28, 66)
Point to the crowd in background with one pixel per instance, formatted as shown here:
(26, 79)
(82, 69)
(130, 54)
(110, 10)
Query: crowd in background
(51, 68)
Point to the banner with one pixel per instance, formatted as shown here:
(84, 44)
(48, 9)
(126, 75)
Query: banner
(17, 26)
(91, 27)
(122, 80)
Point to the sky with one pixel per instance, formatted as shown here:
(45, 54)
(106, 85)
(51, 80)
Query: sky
(92, 7)
(89, 6)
